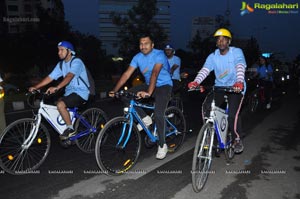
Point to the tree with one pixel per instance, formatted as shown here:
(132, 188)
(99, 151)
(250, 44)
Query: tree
(139, 20)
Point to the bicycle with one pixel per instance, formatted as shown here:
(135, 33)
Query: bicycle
(119, 143)
(215, 125)
(256, 99)
(25, 143)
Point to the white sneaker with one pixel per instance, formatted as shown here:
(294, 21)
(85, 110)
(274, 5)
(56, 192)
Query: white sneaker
(162, 152)
(147, 121)
(268, 106)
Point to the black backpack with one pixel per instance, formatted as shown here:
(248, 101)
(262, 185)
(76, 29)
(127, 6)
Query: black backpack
(92, 87)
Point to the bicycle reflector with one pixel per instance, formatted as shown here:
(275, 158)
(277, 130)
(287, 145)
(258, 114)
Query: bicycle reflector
(39, 140)
(10, 157)
(126, 163)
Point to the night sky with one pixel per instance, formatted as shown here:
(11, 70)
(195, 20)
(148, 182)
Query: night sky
(277, 33)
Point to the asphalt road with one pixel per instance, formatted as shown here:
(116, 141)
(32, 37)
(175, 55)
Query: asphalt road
(268, 168)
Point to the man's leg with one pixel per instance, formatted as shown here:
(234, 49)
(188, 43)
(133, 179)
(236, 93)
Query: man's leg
(72, 100)
(162, 97)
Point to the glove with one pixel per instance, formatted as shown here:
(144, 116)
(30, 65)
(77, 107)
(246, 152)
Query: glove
(192, 85)
(238, 87)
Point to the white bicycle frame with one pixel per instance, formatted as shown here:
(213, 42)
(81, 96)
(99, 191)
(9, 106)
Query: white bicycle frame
(219, 118)
(51, 114)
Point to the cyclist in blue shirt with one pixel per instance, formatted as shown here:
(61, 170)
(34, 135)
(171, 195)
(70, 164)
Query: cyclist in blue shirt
(76, 91)
(175, 63)
(153, 64)
(229, 65)
(264, 72)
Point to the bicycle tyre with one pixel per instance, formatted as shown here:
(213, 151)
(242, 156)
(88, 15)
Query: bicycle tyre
(114, 160)
(175, 116)
(229, 150)
(97, 118)
(177, 102)
(253, 102)
(201, 165)
(16, 160)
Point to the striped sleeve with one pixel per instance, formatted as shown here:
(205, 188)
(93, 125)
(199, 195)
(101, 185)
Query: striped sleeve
(240, 73)
(202, 74)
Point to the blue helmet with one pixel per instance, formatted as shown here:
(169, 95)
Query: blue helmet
(67, 45)
(169, 46)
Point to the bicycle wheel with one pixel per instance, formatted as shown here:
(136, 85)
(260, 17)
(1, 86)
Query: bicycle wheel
(202, 156)
(96, 118)
(229, 150)
(177, 102)
(175, 117)
(111, 157)
(15, 157)
(253, 102)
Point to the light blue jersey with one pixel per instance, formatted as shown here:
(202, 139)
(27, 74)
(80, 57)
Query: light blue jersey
(146, 64)
(76, 85)
(224, 65)
(264, 72)
(175, 60)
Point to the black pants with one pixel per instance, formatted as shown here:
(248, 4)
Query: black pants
(162, 97)
(268, 87)
(234, 106)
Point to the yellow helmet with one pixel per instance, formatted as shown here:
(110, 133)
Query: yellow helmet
(223, 32)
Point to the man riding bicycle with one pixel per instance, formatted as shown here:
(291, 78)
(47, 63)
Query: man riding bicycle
(154, 66)
(228, 64)
(75, 82)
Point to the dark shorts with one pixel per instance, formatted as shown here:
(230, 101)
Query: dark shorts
(73, 100)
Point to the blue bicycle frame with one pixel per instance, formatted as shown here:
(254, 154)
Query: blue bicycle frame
(132, 115)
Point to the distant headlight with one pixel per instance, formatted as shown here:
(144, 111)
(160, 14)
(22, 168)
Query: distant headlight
(1, 92)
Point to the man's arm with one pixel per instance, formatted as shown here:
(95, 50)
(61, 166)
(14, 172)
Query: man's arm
(153, 79)
(125, 76)
(174, 67)
(42, 83)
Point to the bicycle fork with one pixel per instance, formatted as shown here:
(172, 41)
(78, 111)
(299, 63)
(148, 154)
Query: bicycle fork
(207, 146)
(33, 132)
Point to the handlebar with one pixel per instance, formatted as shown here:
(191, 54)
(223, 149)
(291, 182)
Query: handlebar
(128, 94)
(228, 89)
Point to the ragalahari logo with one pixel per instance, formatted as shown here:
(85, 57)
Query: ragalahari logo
(246, 8)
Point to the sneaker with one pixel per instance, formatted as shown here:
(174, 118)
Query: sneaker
(238, 145)
(162, 152)
(147, 121)
(268, 106)
(67, 133)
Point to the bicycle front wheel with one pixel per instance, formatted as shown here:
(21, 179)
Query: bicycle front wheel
(202, 157)
(17, 157)
(175, 121)
(96, 118)
(112, 155)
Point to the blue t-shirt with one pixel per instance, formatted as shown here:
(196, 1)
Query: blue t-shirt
(224, 65)
(146, 64)
(175, 60)
(265, 72)
(76, 85)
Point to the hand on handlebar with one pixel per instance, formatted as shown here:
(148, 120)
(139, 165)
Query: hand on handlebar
(52, 90)
(238, 87)
(111, 94)
(193, 85)
(143, 94)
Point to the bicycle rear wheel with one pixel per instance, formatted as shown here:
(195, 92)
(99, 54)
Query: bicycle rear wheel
(96, 118)
(253, 102)
(177, 102)
(15, 157)
(202, 156)
(175, 117)
(229, 150)
(112, 158)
